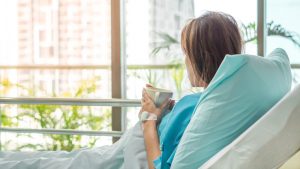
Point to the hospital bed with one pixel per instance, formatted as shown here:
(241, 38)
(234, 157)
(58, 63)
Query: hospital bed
(267, 144)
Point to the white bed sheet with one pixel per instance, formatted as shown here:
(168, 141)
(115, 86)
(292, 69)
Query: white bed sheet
(128, 153)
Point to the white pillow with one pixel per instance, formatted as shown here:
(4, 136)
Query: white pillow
(268, 143)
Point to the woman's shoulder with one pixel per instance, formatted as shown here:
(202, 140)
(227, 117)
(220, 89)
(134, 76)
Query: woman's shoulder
(190, 97)
(186, 103)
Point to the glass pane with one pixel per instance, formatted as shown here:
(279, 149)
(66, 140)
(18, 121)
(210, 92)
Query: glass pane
(150, 24)
(55, 48)
(55, 34)
(282, 18)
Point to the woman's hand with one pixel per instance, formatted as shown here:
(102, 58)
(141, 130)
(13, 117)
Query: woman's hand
(149, 106)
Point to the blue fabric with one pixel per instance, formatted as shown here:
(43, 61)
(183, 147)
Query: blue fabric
(172, 127)
(157, 163)
(243, 89)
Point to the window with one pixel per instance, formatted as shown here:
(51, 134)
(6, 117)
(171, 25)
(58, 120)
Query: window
(85, 49)
(284, 15)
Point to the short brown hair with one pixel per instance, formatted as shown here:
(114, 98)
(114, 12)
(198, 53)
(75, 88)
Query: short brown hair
(207, 39)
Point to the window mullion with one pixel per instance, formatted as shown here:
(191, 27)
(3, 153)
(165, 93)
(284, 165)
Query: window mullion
(261, 27)
(116, 82)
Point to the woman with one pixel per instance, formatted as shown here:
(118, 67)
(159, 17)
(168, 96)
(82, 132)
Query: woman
(205, 41)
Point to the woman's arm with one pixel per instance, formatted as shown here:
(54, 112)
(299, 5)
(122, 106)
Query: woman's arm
(150, 128)
(151, 142)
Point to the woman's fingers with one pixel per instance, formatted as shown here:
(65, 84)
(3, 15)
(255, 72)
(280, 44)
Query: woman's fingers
(143, 92)
(142, 100)
(147, 96)
(165, 104)
(149, 85)
(146, 100)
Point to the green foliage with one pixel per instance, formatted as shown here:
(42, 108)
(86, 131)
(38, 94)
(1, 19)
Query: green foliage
(5, 119)
(250, 32)
(58, 117)
(166, 43)
(177, 74)
(278, 30)
(152, 77)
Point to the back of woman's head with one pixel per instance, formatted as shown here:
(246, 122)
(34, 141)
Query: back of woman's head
(207, 39)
